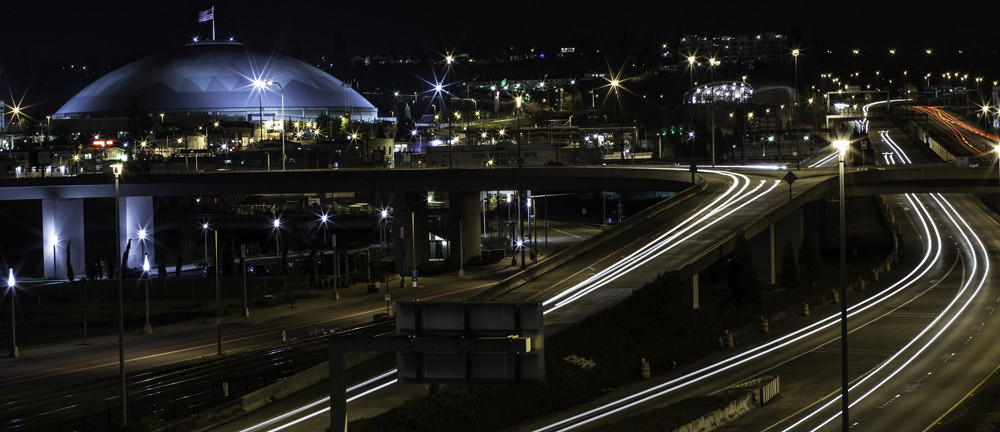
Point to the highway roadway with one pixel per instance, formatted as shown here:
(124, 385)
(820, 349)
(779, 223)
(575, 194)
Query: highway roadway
(916, 349)
(610, 272)
(953, 262)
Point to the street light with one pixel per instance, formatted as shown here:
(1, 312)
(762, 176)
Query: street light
(520, 180)
(691, 61)
(53, 241)
(147, 328)
(11, 284)
(218, 290)
(117, 170)
(614, 86)
(260, 85)
(204, 231)
(277, 240)
(842, 147)
(798, 131)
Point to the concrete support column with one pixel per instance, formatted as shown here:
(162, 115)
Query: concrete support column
(62, 226)
(695, 301)
(410, 231)
(138, 216)
(465, 207)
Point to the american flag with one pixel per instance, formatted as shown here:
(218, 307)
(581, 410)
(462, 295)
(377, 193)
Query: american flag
(207, 14)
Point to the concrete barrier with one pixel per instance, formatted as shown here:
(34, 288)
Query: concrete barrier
(255, 400)
(717, 418)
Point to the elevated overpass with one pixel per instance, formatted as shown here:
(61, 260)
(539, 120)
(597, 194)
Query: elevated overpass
(61, 196)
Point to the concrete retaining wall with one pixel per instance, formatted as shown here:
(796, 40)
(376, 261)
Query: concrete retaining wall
(936, 147)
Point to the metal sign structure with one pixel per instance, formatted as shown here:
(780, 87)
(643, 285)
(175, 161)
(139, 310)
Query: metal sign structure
(450, 342)
(471, 320)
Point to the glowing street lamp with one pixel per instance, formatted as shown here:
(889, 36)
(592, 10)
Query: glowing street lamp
(259, 85)
(11, 287)
(520, 179)
(276, 224)
(691, 60)
(117, 170)
(53, 241)
(204, 231)
(842, 147)
(621, 137)
(798, 131)
(147, 328)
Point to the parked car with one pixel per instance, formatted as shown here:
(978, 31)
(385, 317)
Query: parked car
(258, 270)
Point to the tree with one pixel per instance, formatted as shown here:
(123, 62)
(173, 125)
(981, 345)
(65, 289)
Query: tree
(69, 262)
(809, 260)
(789, 267)
(743, 286)
(124, 264)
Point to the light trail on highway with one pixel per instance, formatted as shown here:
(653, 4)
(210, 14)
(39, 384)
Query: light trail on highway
(976, 261)
(973, 139)
(975, 277)
(976, 270)
(795, 339)
(741, 192)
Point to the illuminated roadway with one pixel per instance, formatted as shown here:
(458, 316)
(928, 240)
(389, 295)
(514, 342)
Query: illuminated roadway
(952, 269)
(944, 267)
(610, 272)
(670, 240)
(922, 344)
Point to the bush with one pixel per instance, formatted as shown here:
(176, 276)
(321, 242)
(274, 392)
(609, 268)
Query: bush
(653, 323)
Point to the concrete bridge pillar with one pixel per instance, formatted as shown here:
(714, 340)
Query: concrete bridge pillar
(62, 226)
(766, 246)
(137, 225)
(692, 286)
(410, 231)
(465, 208)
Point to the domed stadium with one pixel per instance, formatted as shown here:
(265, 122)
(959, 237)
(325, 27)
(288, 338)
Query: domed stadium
(218, 79)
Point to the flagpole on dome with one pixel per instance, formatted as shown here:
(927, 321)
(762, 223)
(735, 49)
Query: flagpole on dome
(208, 15)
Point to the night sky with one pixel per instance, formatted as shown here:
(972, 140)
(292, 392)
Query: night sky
(43, 35)
(103, 29)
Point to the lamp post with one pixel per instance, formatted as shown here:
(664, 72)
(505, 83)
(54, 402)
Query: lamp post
(842, 147)
(618, 97)
(147, 328)
(53, 241)
(520, 181)
(218, 296)
(282, 89)
(691, 61)
(11, 284)
(798, 131)
(117, 170)
(277, 240)
(204, 230)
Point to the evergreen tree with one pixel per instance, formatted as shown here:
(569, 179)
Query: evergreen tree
(743, 286)
(789, 267)
(809, 260)
(69, 262)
